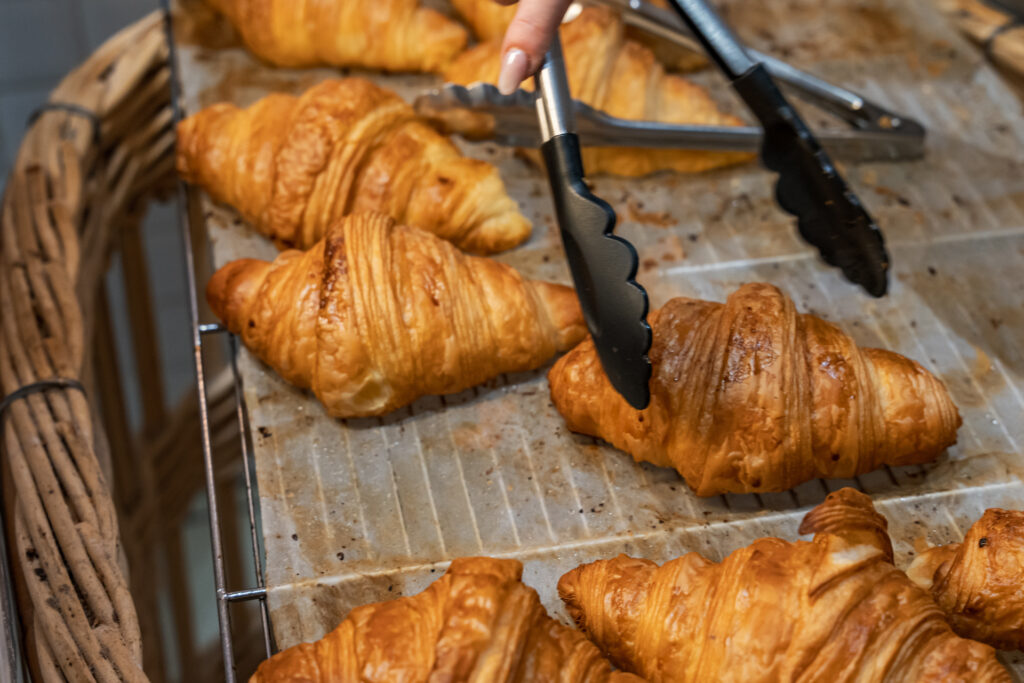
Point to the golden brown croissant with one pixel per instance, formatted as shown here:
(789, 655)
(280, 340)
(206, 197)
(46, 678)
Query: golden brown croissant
(479, 622)
(979, 583)
(293, 166)
(752, 396)
(395, 35)
(489, 21)
(623, 79)
(831, 610)
(487, 18)
(376, 315)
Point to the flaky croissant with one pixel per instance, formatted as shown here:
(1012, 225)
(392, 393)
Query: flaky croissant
(831, 610)
(478, 623)
(624, 79)
(489, 20)
(293, 166)
(376, 315)
(751, 396)
(979, 583)
(395, 35)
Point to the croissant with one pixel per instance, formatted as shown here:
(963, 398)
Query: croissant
(376, 315)
(395, 35)
(624, 79)
(489, 21)
(293, 166)
(979, 583)
(831, 610)
(751, 396)
(487, 18)
(478, 622)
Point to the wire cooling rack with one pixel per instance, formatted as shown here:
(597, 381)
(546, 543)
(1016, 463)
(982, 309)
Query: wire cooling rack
(200, 332)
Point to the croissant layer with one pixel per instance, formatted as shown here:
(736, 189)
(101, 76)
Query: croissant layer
(478, 623)
(377, 314)
(292, 166)
(751, 396)
(394, 35)
(831, 610)
(624, 79)
(979, 583)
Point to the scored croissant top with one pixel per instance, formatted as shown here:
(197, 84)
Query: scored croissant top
(376, 315)
(624, 79)
(750, 396)
(829, 611)
(395, 35)
(478, 623)
(292, 166)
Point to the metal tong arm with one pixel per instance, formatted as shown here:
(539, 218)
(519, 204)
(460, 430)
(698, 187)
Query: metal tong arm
(603, 265)
(555, 106)
(856, 110)
(515, 122)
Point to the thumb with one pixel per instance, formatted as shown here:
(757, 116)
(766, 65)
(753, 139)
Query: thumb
(527, 39)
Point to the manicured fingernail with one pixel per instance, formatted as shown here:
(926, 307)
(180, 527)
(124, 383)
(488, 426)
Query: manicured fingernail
(514, 70)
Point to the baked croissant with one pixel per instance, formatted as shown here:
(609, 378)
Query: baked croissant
(293, 166)
(751, 396)
(487, 18)
(624, 79)
(478, 622)
(831, 610)
(489, 21)
(979, 583)
(395, 35)
(376, 315)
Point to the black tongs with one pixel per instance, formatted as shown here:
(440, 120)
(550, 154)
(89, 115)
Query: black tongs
(603, 265)
(809, 186)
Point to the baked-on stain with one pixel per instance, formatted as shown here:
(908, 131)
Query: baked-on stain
(638, 214)
(810, 30)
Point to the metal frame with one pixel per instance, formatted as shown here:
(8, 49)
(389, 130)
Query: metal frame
(185, 200)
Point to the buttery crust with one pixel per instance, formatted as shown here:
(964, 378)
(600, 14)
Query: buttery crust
(751, 396)
(394, 35)
(292, 166)
(624, 79)
(979, 583)
(377, 315)
(478, 623)
(831, 610)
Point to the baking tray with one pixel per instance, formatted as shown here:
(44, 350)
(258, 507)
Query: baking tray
(355, 511)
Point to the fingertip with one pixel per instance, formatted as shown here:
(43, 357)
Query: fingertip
(532, 30)
(515, 67)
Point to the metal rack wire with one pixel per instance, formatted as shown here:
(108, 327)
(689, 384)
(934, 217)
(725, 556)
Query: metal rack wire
(200, 331)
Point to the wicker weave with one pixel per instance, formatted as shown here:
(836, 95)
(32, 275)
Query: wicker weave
(84, 169)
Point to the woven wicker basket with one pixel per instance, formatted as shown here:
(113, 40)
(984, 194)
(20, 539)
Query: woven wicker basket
(93, 512)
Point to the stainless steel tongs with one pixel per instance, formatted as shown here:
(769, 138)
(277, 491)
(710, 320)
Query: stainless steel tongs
(875, 132)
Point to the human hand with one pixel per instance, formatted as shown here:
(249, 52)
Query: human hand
(527, 39)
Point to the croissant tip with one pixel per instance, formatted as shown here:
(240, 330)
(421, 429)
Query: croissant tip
(223, 288)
